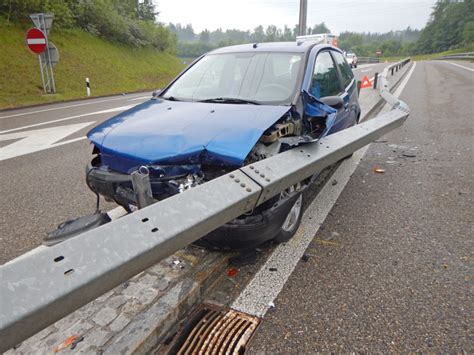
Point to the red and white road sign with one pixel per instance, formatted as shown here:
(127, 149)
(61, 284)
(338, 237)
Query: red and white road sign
(36, 40)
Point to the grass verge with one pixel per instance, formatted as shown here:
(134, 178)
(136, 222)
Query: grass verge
(112, 68)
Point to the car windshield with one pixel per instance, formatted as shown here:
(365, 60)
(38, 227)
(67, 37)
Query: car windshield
(349, 55)
(258, 77)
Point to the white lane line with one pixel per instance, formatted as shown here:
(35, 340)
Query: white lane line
(372, 78)
(460, 66)
(111, 110)
(265, 286)
(62, 107)
(140, 98)
(367, 65)
(365, 71)
(27, 142)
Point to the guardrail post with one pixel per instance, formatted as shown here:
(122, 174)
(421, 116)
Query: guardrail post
(359, 84)
(376, 78)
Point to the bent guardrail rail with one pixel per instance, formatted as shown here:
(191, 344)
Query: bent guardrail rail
(458, 56)
(39, 289)
(364, 60)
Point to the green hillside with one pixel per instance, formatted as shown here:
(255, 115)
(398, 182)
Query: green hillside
(112, 68)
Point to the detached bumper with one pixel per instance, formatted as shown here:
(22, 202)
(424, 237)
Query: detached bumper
(110, 184)
(245, 232)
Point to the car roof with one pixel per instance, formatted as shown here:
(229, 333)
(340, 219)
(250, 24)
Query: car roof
(290, 47)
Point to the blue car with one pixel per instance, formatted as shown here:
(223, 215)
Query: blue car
(229, 108)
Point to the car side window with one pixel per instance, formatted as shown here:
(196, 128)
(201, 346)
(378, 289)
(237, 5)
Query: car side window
(325, 81)
(344, 68)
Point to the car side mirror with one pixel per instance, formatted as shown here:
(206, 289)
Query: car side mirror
(156, 93)
(334, 101)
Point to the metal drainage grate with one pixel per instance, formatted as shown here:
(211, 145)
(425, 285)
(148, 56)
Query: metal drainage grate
(214, 330)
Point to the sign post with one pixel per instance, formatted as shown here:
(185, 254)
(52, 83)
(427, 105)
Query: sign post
(48, 55)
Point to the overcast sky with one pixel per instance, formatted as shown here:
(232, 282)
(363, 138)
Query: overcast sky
(339, 15)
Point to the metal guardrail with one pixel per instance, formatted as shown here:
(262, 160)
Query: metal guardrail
(458, 56)
(393, 68)
(364, 60)
(39, 289)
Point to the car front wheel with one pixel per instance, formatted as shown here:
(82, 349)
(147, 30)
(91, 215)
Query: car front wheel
(292, 221)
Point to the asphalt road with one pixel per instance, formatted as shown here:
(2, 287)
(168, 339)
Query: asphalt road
(43, 154)
(42, 184)
(390, 270)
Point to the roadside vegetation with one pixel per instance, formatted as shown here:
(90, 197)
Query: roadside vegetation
(112, 67)
(115, 43)
(451, 27)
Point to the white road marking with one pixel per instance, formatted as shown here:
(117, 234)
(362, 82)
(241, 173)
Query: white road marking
(265, 286)
(367, 65)
(110, 110)
(372, 78)
(460, 66)
(63, 107)
(36, 140)
(140, 98)
(365, 71)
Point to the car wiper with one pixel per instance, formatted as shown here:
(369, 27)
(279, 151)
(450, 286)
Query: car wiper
(230, 100)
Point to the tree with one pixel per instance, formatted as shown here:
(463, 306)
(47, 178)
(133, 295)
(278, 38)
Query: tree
(204, 36)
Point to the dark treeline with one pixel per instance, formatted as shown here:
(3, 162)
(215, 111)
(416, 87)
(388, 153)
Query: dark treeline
(134, 22)
(193, 44)
(131, 22)
(451, 26)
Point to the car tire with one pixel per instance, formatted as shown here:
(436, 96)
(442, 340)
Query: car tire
(292, 221)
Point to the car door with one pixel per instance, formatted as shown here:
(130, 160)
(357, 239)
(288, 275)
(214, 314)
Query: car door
(326, 81)
(349, 86)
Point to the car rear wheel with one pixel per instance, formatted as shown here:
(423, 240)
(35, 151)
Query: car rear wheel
(292, 221)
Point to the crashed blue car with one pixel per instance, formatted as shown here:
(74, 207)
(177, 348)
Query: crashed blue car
(229, 108)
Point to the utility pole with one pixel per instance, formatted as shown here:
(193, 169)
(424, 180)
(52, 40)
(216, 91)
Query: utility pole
(302, 21)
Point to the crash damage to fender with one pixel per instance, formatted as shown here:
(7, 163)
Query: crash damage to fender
(167, 133)
(184, 144)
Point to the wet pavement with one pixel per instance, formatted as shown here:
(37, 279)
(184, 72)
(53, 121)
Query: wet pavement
(391, 267)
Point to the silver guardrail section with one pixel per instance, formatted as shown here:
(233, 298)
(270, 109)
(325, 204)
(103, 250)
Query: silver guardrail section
(384, 88)
(363, 60)
(39, 289)
(458, 56)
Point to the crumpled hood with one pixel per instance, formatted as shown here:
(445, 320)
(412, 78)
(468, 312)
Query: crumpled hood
(172, 132)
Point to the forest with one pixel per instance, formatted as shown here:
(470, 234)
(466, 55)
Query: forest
(135, 23)
(451, 26)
